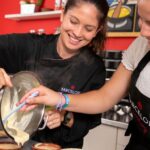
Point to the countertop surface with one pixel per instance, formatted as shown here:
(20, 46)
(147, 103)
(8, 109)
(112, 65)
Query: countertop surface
(114, 123)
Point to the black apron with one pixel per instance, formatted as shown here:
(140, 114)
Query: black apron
(139, 127)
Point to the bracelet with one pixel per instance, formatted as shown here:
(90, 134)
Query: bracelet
(62, 105)
(67, 101)
(59, 106)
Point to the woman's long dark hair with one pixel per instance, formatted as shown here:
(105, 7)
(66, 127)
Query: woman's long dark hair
(98, 41)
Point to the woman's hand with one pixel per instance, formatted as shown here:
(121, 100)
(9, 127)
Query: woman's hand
(46, 96)
(55, 118)
(4, 79)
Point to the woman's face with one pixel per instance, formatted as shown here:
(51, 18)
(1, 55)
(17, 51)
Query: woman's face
(79, 26)
(144, 20)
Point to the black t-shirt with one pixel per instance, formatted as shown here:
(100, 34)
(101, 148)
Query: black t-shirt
(78, 74)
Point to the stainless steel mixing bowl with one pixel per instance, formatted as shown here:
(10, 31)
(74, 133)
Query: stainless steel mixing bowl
(25, 121)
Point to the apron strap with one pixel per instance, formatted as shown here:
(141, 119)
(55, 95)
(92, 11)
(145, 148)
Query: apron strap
(140, 66)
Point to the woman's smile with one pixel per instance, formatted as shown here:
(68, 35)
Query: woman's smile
(73, 40)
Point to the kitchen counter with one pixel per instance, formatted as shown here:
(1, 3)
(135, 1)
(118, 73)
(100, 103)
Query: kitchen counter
(114, 123)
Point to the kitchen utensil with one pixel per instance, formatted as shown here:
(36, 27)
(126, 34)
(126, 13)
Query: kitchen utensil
(117, 10)
(25, 121)
(126, 109)
(19, 107)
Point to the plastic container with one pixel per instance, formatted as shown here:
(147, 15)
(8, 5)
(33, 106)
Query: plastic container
(46, 146)
(27, 8)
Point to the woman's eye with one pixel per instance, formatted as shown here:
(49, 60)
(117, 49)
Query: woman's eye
(89, 29)
(73, 21)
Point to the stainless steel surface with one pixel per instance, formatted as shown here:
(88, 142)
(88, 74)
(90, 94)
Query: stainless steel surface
(109, 73)
(25, 121)
(117, 116)
(120, 114)
(113, 123)
(111, 63)
(112, 54)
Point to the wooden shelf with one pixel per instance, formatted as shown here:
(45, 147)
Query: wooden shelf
(37, 15)
(123, 34)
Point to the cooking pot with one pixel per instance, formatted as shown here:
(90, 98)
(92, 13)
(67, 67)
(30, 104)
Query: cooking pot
(27, 122)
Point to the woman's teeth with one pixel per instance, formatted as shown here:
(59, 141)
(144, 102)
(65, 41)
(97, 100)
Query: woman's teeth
(74, 40)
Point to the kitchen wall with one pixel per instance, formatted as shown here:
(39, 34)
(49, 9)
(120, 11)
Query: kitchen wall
(50, 25)
(11, 26)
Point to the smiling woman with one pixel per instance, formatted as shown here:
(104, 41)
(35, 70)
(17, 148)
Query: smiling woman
(78, 30)
(66, 62)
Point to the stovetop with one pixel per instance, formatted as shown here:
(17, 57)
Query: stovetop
(118, 116)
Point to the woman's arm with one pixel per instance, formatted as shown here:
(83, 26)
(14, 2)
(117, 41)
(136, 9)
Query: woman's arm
(96, 101)
(103, 99)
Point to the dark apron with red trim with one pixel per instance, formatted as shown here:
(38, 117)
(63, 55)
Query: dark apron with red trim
(139, 127)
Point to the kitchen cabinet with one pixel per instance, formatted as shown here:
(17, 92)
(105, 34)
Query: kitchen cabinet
(121, 139)
(101, 138)
(105, 137)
